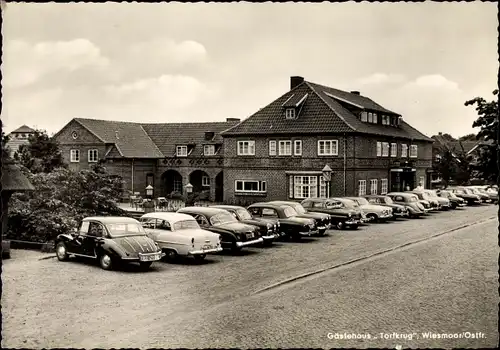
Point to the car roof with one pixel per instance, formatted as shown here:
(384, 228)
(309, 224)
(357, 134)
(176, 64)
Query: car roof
(169, 216)
(112, 219)
(284, 202)
(268, 205)
(225, 206)
(210, 211)
(400, 194)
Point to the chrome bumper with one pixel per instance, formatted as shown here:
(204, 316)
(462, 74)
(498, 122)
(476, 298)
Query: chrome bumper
(205, 251)
(255, 241)
(272, 236)
(309, 233)
(386, 216)
(352, 222)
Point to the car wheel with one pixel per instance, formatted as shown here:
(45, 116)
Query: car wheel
(372, 217)
(106, 261)
(340, 225)
(200, 257)
(61, 251)
(170, 254)
(145, 265)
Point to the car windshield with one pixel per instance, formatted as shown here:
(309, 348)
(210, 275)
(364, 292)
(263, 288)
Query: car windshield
(350, 203)
(122, 229)
(185, 225)
(222, 218)
(362, 201)
(244, 214)
(299, 209)
(413, 199)
(388, 200)
(289, 211)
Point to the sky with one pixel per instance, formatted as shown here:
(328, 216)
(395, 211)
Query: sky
(174, 62)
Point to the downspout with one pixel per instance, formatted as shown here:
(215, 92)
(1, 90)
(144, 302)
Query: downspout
(345, 164)
(133, 170)
(354, 163)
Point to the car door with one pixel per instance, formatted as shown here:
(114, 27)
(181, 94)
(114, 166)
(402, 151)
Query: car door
(93, 238)
(76, 244)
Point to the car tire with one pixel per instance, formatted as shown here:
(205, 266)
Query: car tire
(145, 265)
(339, 225)
(372, 217)
(200, 257)
(106, 261)
(170, 254)
(61, 251)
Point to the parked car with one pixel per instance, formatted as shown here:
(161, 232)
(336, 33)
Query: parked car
(425, 200)
(341, 215)
(111, 240)
(180, 235)
(444, 203)
(483, 195)
(290, 224)
(455, 202)
(269, 228)
(410, 201)
(355, 206)
(234, 235)
(321, 220)
(398, 210)
(373, 212)
(466, 194)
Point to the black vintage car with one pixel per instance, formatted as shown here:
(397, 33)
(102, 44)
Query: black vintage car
(110, 240)
(290, 224)
(466, 194)
(269, 227)
(234, 235)
(415, 208)
(341, 214)
(322, 220)
(398, 210)
(455, 202)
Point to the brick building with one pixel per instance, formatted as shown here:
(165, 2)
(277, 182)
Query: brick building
(19, 137)
(279, 152)
(167, 156)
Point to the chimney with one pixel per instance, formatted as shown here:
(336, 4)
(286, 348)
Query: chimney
(295, 81)
(440, 133)
(232, 119)
(209, 135)
(116, 135)
(355, 93)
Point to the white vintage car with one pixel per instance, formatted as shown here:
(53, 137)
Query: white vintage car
(180, 235)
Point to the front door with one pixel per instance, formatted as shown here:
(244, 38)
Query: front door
(90, 241)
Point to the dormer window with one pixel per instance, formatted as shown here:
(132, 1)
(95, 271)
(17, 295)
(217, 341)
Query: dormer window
(364, 116)
(386, 120)
(209, 150)
(182, 151)
(290, 113)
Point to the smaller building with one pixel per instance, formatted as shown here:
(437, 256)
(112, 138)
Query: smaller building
(19, 137)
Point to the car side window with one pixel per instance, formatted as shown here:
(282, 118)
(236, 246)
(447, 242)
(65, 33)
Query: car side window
(399, 199)
(373, 200)
(269, 213)
(307, 204)
(254, 211)
(202, 221)
(95, 229)
(164, 225)
(148, 223)
(84, 228)
(333, 205)
(318, 205)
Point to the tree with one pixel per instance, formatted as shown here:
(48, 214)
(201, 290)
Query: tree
(41, 154)
(5, 149)
(486, 164)
(468, 137)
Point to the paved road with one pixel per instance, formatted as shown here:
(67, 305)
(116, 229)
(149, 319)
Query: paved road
(437, 274)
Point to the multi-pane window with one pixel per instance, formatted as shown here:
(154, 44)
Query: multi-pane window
(272, 148)
(246, 148)
(74, 155)
(290, 113)
(297, 147)
(404, 150)
(328, 148)
(305, 186)
(322, 187)
(373, 186)
(182, 151)
(413, 151)
(394, 149)
(209, 150)
(364, 116)
(383, 186)
(285, 148)
(379, 149)
(361, 187)
(205, 181)
(375, 121)
(93, 156)
(385, 149)
(250, 186)
(386, 120)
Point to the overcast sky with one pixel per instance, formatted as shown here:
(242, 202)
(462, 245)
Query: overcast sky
(206, 62)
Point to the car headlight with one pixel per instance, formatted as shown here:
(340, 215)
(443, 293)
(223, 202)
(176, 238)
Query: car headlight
(269, 226)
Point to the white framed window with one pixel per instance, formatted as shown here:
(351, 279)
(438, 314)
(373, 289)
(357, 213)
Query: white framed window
(421, 181)
(413, 151)
(364, 117)
(272, 148)
(182, 151)
(290, 113)
(305, 186)
(209, 150)
(328, 147)
(394, 149)
(375, 120)
(285, 148)
(74, 155)
(205, 181)
(386, 120)
(290, 187)
(379, 149)
(246, 148)
(370, 117)
(383, 186)
(322, 187)
(385, 149)
(373, 186)
(297, 147)
(361, 187)
(93, 156)
(250, 186)
(404, 150)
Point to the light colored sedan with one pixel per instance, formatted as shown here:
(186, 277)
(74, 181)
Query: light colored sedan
(180, 235)
(373, 212)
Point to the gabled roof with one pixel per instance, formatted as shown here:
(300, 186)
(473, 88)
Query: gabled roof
(130, 139)
(322, 112)
(23, 129)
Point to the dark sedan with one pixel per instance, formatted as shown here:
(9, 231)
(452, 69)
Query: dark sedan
(269, 228)
(291, 225)
(398, 210)
(233, 234)
(322, 220)
(466, 195)
(455, 202)
(341, 214)
(410, 201)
